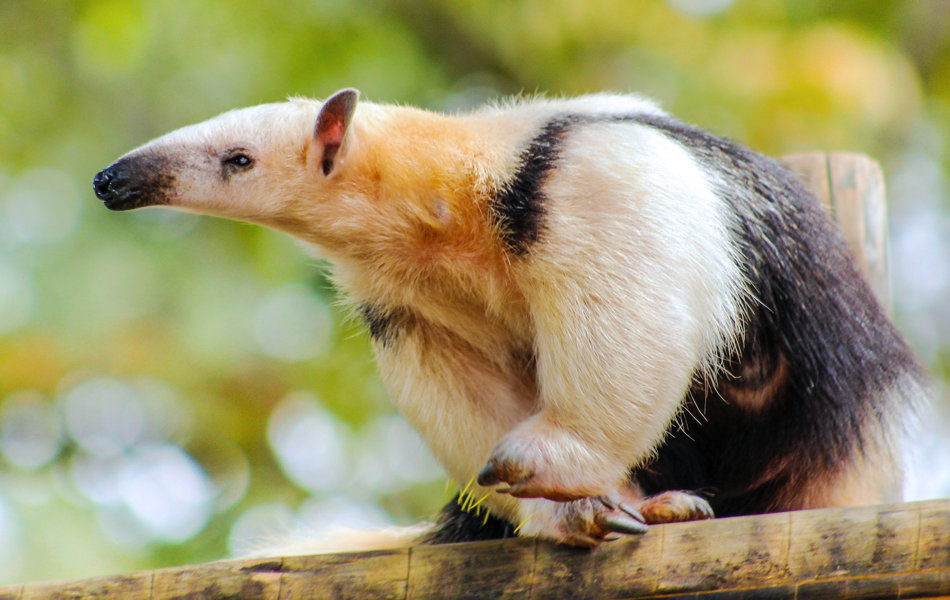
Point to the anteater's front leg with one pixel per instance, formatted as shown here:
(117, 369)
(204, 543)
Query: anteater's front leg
(610, 386)
(462, 401)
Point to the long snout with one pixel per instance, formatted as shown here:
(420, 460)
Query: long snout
(133, 182)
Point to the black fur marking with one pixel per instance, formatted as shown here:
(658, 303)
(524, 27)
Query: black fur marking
(384, 324)
(456, 525)
(519, 207)
(816, 319)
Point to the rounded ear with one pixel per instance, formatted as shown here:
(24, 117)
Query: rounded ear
(332, 123)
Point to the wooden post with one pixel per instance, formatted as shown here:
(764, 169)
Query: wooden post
(852, 187)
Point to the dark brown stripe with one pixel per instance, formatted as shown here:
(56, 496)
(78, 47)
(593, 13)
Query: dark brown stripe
(519, 207)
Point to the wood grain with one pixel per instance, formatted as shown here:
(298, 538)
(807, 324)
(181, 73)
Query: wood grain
(892, 551)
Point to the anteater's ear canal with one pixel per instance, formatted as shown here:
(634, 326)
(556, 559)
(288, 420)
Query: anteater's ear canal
(330, 130)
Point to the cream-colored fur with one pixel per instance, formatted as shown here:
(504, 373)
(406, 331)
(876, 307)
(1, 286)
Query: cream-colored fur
(572, 360)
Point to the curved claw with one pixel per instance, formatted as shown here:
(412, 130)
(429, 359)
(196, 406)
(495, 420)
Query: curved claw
(704, 511)
(614, 504)
(631, 511)
(621, 524)
(488, 476)
(505, 471)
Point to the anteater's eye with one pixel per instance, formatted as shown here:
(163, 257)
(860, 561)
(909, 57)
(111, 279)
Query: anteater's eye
(239, 160)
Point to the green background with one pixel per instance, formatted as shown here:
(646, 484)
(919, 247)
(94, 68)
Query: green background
(174, 387)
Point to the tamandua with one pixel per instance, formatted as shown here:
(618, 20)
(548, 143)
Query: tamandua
(608, 316)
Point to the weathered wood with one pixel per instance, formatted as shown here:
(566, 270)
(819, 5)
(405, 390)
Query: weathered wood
(134, 586)
(893, 551)
(376, 574)
(251, 579)
(436, 573)
(813, 167)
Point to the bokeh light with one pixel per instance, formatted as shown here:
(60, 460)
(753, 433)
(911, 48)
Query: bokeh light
(17, 296)
(29, 430)
(40, 207)
(167, 491)
(391, 456)
(293, 324)
(701, 8)
(104, 416)
(310, 445)
(11, 556)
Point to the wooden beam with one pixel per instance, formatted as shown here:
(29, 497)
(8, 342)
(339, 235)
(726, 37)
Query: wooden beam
(893, 551)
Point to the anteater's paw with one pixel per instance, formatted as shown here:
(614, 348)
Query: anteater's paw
(586, 522)
(673, 507)
(545, 462)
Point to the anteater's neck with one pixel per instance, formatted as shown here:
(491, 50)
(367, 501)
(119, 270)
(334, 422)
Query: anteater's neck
(427, 238)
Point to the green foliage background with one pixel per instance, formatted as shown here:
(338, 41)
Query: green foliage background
(162, 307)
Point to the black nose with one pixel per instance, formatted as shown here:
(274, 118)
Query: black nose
(116, 187)
(133, 181)
(102, 184)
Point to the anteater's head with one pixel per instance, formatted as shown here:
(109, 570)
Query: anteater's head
(258, 164)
